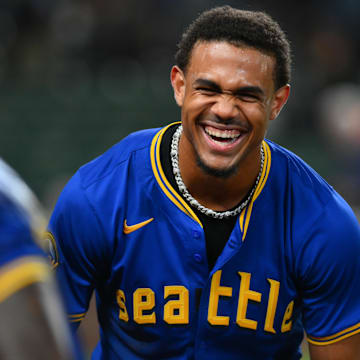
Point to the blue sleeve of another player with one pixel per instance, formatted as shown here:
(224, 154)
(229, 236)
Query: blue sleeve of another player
(329, 268)
(76, 243)
(16, 239)
(22, 262)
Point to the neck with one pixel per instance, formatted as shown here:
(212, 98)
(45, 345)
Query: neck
(216, 193)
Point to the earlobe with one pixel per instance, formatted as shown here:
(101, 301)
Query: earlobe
(178, 83)
(280, 98)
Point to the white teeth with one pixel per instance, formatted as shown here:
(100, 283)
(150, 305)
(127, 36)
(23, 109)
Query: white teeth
(224, 134)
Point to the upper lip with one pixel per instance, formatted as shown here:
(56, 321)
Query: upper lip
(221, 126)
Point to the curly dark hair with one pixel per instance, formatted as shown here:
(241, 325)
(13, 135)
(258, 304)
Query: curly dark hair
(241, 28)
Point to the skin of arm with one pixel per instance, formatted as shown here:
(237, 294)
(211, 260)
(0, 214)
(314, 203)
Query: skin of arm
(33, 325)
(347, 349)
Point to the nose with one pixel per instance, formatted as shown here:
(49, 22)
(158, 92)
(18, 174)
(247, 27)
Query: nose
(225, 107)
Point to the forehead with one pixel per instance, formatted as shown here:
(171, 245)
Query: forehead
(226, 63)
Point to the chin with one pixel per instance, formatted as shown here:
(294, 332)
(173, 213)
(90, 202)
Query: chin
(222, 173)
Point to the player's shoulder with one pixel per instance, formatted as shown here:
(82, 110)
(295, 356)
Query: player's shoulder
(108, 174)
(298, 174)
(95, 191)
(116, 157)
(308, 192)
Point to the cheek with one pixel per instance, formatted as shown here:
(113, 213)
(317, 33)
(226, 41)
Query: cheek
(255, 114)
(194, 107)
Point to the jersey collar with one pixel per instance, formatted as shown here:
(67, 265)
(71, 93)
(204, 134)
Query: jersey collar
(174, 196)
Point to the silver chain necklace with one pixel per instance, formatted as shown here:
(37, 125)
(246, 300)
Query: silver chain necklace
(174, 153)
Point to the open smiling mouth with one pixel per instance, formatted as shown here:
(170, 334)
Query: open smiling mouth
(222, 136)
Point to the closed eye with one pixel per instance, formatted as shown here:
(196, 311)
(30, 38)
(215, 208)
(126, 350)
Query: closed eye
(250, 93)
(207, 91)
(206, 87)
(248, 97)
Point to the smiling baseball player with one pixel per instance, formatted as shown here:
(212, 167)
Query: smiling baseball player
(203, 239)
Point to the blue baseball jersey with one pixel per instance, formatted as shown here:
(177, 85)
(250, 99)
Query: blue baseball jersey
(22, 262)
(290, 264)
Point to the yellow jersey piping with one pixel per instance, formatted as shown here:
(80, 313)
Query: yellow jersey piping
(161, 179)
(244, 218)
(76, 317)
(352, 330)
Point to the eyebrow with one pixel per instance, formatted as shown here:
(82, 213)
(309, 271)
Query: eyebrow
(208, 83)
(239, 91)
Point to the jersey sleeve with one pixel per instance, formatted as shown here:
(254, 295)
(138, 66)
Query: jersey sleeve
(75, 241)
(16, 238)
(22, 262)
(329, 270)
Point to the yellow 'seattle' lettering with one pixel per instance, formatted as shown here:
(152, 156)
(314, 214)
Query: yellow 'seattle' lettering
(120, 298)
(244, 296)
(215, 292)
(176, 308)
(144, 299)
(287, 322)
(272, 304)
(176, 311)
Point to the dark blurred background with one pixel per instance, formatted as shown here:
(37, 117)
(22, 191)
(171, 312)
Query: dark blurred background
(77, 76)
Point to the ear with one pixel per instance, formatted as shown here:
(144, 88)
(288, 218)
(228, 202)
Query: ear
(178, 83)
(279, 100)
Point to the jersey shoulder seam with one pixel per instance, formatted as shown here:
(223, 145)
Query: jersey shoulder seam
(110, 171)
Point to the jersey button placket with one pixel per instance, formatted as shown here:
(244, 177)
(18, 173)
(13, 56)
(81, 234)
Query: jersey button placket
(196, 234)
(197, 257)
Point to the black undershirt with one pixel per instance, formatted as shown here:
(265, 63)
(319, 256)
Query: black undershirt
(217, 231)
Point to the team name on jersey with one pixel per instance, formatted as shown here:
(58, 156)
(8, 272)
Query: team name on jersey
(176, 309)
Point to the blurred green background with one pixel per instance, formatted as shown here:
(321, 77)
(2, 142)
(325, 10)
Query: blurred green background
(77, 76)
